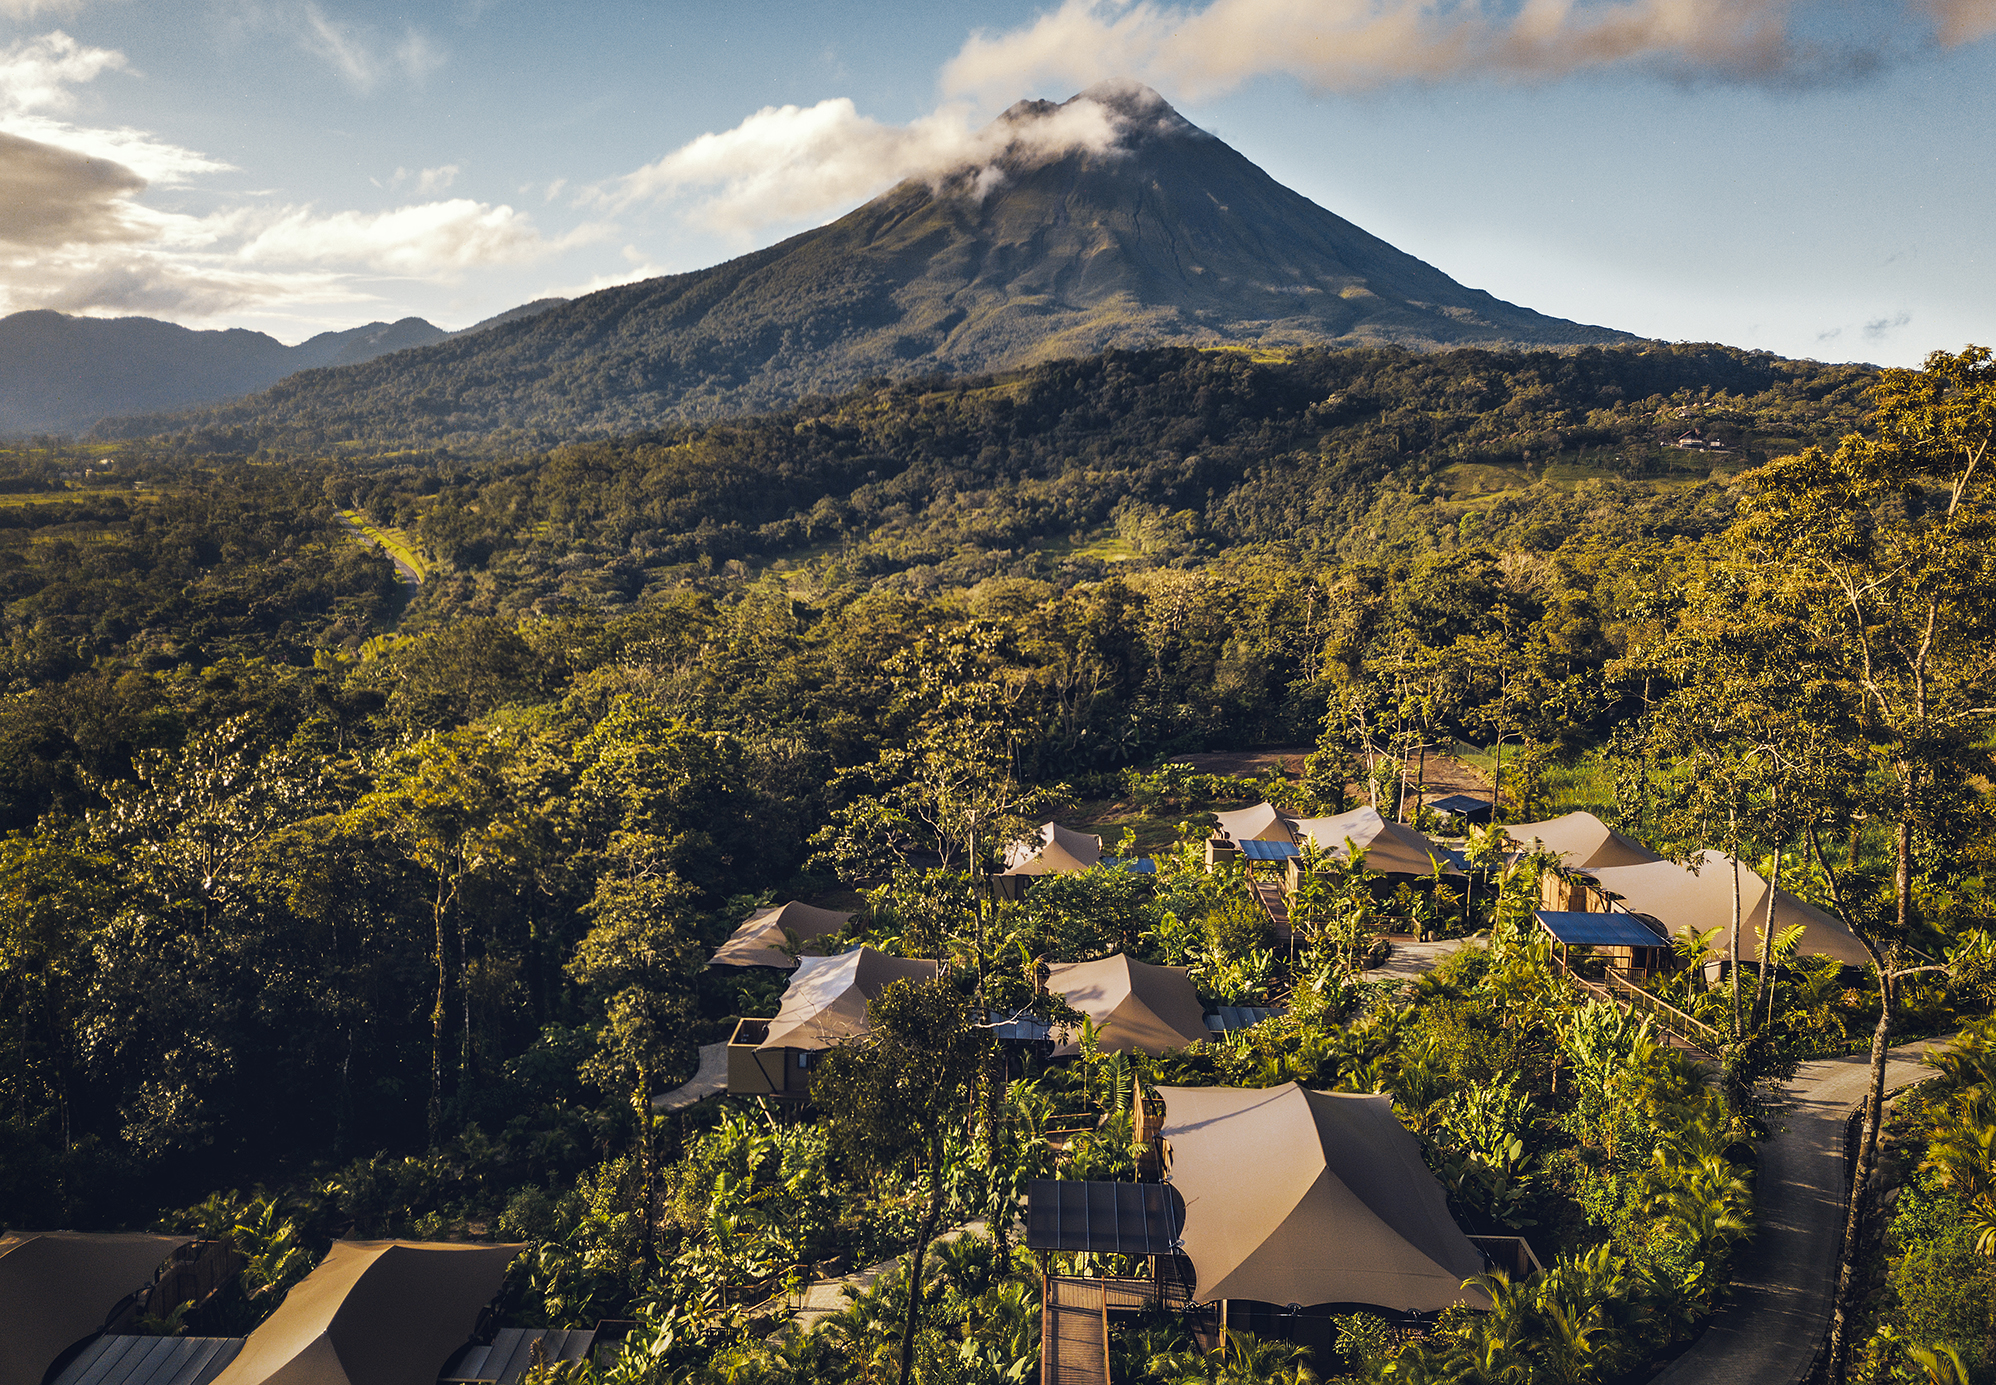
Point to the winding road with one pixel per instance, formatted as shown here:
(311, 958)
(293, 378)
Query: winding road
(1780, 1313)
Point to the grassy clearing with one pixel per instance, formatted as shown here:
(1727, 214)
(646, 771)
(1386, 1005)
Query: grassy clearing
(396, 543)
(1587, 785)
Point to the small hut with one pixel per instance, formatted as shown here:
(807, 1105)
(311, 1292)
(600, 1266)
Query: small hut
(760, 940)
(1461, 808)
(824, 1004)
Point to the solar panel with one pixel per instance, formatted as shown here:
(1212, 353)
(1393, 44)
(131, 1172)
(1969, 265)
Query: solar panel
(1135, 865)
(1104, 1217)
(1598, 930)
(1256, 850)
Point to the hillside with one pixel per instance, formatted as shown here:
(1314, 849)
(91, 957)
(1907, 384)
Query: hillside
(61, 374)
(1170, 237)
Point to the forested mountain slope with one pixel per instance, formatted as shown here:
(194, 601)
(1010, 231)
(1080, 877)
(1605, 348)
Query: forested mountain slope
(61, 374)
(1169, 236)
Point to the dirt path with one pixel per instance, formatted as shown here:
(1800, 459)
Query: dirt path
(1784, 1282)
(404, 571)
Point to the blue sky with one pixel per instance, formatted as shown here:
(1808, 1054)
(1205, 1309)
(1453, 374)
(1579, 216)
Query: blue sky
(1814, 178)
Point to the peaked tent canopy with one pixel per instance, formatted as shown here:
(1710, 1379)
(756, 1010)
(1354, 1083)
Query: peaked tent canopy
(1264, 822)
(1053, 850)
(826, 999)
(1583, 841)
(1134, 1005)
(1391, 848)
(374, 1313)
(1679, 898)
(58, 1287)
(1294, 1196)
(760, 939)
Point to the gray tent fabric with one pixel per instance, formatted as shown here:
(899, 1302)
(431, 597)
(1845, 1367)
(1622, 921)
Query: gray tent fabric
(1134, 1005)
(1391, 848)
(825, 1001)
(1295, 1196)
(1681, 897)
(1262, 823)
(760, 939)
(374, 1313)
(57, 1287)
(1582, 841)
(1053, 850)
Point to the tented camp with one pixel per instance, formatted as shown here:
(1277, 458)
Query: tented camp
(374, 1313)
(1391, 848)
(59, 1287)
(1134, 1005)
(1051, 850)
(760, 940)
(1681, 897)
(1582, 842)
(824, 1003)
(1264, 822)
(1308, 1198)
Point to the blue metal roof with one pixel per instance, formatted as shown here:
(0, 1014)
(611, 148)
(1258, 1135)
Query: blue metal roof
(1460, 803)
(1256, 850)
(130, 1360)
(1598, 930)
(1223, 1018)
(1135, 865)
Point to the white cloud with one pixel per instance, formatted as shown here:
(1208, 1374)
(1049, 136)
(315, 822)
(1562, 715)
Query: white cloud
(37, 73)
(1345, 45)
(360, 56)
(785, 163)
(51, 196)
(431, 239)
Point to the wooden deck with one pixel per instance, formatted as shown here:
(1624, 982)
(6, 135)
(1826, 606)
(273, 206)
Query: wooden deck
(1074, 1332)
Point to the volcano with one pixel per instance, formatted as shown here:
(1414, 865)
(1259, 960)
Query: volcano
(1163, 235)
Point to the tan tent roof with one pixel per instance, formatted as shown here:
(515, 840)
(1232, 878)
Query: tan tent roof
(1294, 1196)
(759, 941)
(57, 1287)
(374, 1313)
(1133, 1004)
(1262, 823)
(1391, 848)
(826, 999)
(1053, 850)
(1583, 840)
(1679, 898)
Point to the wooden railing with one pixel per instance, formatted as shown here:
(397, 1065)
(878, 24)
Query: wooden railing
(1693, 1031)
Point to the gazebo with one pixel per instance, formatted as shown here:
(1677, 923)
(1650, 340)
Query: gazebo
(760, 939)
(1134, 1005)
(1631, 946)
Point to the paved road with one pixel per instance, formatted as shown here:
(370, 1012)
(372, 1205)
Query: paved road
(1781, 1309)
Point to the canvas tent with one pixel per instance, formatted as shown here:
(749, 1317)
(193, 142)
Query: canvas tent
(374, 1313)
(58, 1287)
(1391, 848)
(1300, 1197)
(1053, 850)
(1262, 823)
(826, 999)
(1679, 897)
(1582, 841)
(760, 940)
(1134, 1005)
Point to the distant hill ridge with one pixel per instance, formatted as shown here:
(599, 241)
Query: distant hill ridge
(1169, 236)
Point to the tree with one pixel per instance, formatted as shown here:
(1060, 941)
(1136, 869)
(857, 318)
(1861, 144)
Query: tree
(890, 1098)
(641, 960)
(1889, 540)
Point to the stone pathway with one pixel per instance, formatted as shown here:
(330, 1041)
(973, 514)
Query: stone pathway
(1786, 1278)
(1409, 959)
(710, 1080)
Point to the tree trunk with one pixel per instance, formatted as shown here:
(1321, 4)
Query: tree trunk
(647, 1169)
(922, 1239)
(1734, 952)
(439, 1031)
(1763, 994)
(1874, 1108)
